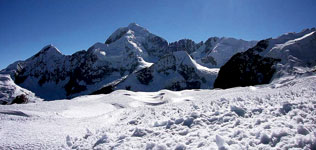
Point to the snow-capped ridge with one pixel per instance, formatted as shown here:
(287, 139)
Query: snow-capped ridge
(136, 28)
(289, 36)
(116, 35)
(216, 51)
(289, 54)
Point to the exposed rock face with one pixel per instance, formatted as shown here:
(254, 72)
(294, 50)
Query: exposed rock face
(247, 68)
(183, 45)
(20, 99)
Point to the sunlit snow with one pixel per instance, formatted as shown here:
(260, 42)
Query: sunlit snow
(280, 115)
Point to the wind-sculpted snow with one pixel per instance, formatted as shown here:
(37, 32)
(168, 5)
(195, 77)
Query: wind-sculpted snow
(279, 115)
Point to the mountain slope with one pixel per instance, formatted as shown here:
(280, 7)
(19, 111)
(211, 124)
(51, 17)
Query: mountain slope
(176, 71)
(214, 52)
(292, 53)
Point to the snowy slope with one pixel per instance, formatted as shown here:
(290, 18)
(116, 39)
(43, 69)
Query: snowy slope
(280, 115)
(215, 52)
(9, 91)
(176, 71)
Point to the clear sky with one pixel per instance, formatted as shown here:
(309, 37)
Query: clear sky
(71, 25)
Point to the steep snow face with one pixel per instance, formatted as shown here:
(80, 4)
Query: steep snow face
(176, 71)
(302, 49)
(9, 91)
(296, 51)
(215, 52)
(136, 40)
(292, 53)
(280, 115)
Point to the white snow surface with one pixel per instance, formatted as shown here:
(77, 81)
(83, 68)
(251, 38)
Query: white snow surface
(280, 115)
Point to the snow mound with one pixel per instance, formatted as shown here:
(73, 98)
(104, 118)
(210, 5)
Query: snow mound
(9, 91)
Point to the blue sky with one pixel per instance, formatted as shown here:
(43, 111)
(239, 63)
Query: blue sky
(71, 25)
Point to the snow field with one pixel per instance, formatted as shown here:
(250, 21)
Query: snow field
(280, 115)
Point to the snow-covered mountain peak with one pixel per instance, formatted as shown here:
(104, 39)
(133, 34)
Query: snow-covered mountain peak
(136, 28)
(50, 49)
(48, 52)
(131, 30)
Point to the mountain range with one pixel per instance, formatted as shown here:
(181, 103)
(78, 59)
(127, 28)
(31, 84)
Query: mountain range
(134, 59)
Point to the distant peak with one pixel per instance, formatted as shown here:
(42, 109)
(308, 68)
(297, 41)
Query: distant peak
(48, 50)
(133, 24)
(45, 48)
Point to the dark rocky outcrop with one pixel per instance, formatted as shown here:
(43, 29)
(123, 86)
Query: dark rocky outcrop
(144, 76)
(247, 68)
(20, 99)
(183, 45)
(105, 90)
